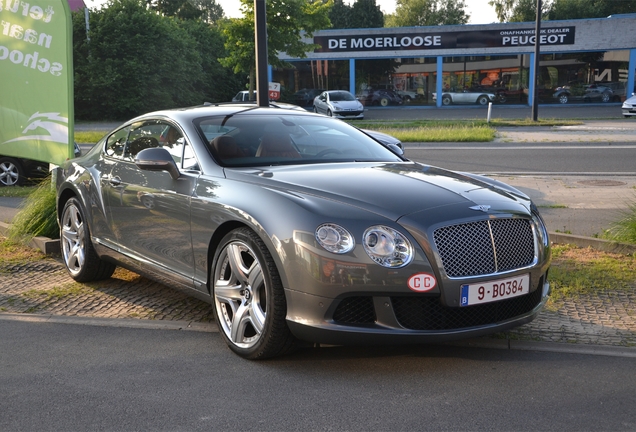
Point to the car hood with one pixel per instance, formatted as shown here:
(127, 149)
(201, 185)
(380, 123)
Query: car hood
(392, 190)
(345, 104)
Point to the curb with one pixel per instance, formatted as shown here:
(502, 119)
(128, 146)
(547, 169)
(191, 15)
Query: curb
(112, 322)
(44, 244)
(487, 343)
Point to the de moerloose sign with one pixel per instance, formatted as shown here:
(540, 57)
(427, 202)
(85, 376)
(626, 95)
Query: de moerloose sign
(36, 80)
(427, 39)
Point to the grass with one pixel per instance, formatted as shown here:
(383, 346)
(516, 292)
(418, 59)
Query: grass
(15, 253)
(88, 137)
(37, 215)
(623, 230)
(418, 130)
(17, 191)
(577, 272)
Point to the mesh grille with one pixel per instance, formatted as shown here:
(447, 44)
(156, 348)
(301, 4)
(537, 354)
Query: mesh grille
(355, 310)
(467, 249)
(427, 313)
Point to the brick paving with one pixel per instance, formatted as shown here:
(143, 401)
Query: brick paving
(44, 287)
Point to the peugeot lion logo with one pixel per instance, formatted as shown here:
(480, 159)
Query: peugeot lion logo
(481, 207)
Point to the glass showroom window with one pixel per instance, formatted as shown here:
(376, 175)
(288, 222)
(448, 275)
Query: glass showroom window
(308, 78)
(500, 79)
(584, 77)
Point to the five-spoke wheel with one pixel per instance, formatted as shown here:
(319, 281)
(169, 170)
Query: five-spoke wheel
(249, 300)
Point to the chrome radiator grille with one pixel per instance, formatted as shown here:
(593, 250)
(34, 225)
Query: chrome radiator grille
(485, 247)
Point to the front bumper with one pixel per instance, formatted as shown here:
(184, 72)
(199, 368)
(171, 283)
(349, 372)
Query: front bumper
(629, 111)
(394, 319)
(349, 114)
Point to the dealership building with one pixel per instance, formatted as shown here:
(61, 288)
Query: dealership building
(591, 60)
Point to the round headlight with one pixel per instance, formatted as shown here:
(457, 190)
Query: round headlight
(387, 247)
(334, 238)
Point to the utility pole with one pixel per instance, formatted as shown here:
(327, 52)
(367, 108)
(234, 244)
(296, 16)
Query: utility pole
(260, 35)
(537, 53)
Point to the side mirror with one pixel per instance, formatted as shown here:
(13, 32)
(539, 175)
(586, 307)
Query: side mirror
(157, 159)
(395, 149)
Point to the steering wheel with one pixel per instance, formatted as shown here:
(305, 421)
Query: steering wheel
(325, 152)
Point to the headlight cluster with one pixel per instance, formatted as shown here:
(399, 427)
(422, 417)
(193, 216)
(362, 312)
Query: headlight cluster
(383, 244)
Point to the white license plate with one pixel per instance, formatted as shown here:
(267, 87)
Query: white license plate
(486, 292)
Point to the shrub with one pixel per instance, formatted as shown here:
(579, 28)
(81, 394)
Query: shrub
(37, 215)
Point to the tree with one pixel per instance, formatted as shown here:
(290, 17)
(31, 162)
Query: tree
(410, 13)
(517, 10)
(207, 10)
(339, 15)
(525, 10)
(138, 61)
(366, 14)
(579, 9)
(288, 21)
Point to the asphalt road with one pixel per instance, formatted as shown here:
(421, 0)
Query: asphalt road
(60, 377)
(530, 158)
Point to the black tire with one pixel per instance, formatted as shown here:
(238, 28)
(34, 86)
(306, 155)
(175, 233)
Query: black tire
(244, 279)
(446, 100)
(329, 113)
(482, 100)
(78, 253)
(315, 109)
(11, 172)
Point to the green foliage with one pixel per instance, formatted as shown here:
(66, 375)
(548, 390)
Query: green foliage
(366, 14)
(36, 216)
(287, 22)
(138, 61)
(340, 15)
(624, 230)
(517, 10)
(409, 13)
(525, 10)
(579, 9)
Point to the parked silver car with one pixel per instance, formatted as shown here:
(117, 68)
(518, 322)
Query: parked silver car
(299, 227)
(340, 104)
(466, 96)
(629, 106)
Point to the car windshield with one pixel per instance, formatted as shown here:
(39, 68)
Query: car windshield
(341, 96)
(248, 140)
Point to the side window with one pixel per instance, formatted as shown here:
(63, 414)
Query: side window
(145, 135)
(189, 160)
(116, 142)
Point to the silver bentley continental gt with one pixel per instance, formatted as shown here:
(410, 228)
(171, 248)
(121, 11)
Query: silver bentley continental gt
(297, 228)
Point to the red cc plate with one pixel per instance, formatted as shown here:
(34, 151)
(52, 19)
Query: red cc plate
(422, 282)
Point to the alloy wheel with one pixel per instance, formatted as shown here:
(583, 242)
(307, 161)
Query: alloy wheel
(73, 239)
(240, 294)
(9, 174)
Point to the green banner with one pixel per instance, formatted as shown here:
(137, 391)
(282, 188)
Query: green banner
(36, 80)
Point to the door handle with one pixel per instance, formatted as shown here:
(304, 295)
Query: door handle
(115, 181)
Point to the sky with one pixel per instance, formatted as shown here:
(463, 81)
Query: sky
(480, 11)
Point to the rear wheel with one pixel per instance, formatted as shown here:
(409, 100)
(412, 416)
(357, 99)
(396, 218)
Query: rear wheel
(11, 172)
(563, 98)
(384, 101)
(446, 100)
(249, 300)
(80, 258)
(605, 97)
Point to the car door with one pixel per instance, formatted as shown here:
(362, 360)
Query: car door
(149, 210)
(321, 103)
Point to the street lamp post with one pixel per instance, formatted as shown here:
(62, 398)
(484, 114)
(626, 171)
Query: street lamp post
(537, 52)
(260, 35)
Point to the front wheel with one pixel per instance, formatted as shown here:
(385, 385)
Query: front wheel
(329, 113)
(249, 300)
(446, 100)
(605, 97)
(315, 109)
(384, 101)
(563, 99)
(80, 258)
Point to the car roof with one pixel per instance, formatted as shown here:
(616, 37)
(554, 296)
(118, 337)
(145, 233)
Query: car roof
(223, 109)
